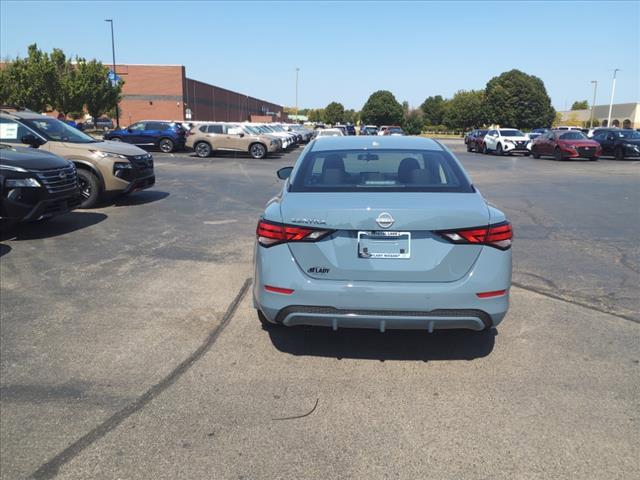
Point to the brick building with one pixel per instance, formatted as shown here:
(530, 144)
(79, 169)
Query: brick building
(164, 92)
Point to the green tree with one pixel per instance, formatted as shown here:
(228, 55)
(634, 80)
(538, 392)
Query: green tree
(515, 99)
(351, 116)
(334, 113)
(382, 108)
(100, 95)
(577, 105)
(466, 110)
(433, 110)
(69, 95)
(316, 115)
(29, 82)
(413, 122)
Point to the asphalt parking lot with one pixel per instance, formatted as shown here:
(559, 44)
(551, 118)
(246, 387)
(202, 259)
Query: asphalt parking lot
(130, 349)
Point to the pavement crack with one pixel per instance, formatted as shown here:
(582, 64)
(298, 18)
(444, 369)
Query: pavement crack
(575, 302)
(51, 468)
(300, 416)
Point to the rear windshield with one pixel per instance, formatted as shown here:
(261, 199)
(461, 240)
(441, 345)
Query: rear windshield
(573, 135)
(380, 171)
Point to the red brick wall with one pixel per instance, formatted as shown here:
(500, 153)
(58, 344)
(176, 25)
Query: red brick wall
(151, 92)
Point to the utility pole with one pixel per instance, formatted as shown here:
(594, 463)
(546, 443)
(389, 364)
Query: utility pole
(113, 52)
(297, 70)
(595, 87)
(613, 90)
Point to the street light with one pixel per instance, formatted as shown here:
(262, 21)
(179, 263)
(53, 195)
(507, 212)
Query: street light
(113, 51)
(613, 89)
(595, 87)
(297, 70)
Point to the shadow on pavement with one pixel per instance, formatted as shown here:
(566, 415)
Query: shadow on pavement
(391, 345)
(4, 249)
(53, 227)
(140, 198)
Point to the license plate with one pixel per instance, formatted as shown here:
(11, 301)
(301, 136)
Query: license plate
(383, 244)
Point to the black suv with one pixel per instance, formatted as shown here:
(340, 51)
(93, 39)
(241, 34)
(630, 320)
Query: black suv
(619, 142)
(35, 185)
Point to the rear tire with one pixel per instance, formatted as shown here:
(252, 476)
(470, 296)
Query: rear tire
(166, 145)
(469, 149)
(484, 149)
(619, 153)
(89, 188)
(116, 139)
(202, 149)
(593, 159)
(257, 151)
(266, 324)
(535, 154)
(499, 150)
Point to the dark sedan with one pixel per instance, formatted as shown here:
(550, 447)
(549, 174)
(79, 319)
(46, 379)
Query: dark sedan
(620, 142)
(474, 140)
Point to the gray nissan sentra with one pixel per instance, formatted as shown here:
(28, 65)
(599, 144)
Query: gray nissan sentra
(384, 233)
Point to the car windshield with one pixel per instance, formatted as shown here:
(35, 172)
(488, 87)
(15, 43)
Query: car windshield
(382, 171)
(53, 129)
(395, 130)
(630, 134)
(511, 133)
(573, 135)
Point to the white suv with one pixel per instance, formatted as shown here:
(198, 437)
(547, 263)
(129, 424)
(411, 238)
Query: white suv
(505, 140)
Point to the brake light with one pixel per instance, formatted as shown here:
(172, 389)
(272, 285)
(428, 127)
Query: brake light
(496, 293)
(271, 233)
(498, 235)
(283, 291)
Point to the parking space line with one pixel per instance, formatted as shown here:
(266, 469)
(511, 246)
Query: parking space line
(51, 468)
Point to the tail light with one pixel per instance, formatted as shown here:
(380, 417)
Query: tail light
(271, 233)
(498, 235)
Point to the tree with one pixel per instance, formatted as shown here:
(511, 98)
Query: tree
(382, 108)
(69, 95)
(334, 113)
(433, 109)
(412, 123)
(466, 110)
(29, 82)
(99, 94)
(351, 116)
(316, 115)
(515, 99)
(583, 105)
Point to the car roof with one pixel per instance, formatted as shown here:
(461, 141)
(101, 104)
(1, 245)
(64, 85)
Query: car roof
(366, 142)
(26, 114)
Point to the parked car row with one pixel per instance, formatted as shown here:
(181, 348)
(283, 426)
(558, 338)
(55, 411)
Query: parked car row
(561, 143)
(64, 168)
(382, 130)
(257, 139)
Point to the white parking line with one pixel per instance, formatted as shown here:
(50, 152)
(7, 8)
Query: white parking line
(219, 222)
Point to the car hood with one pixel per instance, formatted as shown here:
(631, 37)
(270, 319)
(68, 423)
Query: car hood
(30, 159)
(516, 139)
(579, 143)
(107, 146)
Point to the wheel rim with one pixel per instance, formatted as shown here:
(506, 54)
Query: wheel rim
(85, 188)
(202, 150)
(558, 155)
(116, 139)
(257, 151)
(166, 146)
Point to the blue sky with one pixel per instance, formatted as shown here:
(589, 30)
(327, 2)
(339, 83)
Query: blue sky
(347, 50)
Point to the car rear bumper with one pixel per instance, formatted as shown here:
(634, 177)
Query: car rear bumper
(382, 305)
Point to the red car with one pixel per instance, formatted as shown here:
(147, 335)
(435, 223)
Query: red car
(565, 144)
(474, 140)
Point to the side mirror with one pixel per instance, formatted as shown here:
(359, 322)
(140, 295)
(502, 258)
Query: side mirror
(31, 140)
(241, 134)
(284, 173)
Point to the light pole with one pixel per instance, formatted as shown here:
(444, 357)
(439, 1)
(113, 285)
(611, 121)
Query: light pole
(595, 87)
(297, 70)
(113, 52)
(613, 90)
